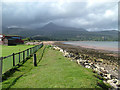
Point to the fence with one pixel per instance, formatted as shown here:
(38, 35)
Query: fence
(12, 60)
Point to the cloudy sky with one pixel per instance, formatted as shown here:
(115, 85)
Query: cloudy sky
(96, 15)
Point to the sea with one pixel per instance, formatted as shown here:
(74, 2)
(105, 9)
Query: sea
(101, 45)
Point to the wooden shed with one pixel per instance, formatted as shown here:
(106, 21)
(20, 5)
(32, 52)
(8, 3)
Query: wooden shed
(10, 40)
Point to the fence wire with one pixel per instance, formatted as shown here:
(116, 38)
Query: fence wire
(7, 62)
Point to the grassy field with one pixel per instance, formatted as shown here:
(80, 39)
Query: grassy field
(8, 50)
(53, 71)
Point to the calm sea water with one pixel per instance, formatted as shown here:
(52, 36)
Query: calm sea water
(105, 45)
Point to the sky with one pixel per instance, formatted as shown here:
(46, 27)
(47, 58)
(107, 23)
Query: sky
(93, 16)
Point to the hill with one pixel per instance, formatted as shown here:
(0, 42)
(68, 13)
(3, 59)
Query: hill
(52, 31)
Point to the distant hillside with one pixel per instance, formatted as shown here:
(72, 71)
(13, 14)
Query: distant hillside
(52, 31)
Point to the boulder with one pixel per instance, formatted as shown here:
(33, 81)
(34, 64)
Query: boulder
(114, 83)
(66, 54)
(118, 82)
(61, 50)
(107, 76)
(109, 81)
(105, 72)
(96, 69)
(78, 61)
(82, 61)
(87, 66)
(97, 66)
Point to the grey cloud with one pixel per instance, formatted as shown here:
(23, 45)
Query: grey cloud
(75, 14)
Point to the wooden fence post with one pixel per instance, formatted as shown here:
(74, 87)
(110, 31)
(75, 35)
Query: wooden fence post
(1, 63)
(27, 52)
(13, 59)
(34, 59)
(19, 57)
(23, 56)
(30, 51)
(33, 50)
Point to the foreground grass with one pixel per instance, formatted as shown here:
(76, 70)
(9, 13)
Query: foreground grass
(53, 71)
(8, 50)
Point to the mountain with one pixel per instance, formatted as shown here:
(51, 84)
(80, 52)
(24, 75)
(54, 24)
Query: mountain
(51, 26)
(53, 31)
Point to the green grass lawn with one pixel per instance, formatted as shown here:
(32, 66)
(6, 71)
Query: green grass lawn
(8, 50)
(53, 71)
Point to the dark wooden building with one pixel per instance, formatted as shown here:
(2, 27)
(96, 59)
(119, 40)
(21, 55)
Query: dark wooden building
(10, 40)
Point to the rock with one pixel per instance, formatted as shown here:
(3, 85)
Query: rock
(101, 74)
(96, 69)
(86, 63)
(105, 71)
(82, 61)
(61, 50)
(78, 61)
(66, 54)
(111, 83)
(56, 48)
(77, 57)
(89, 61)
(97, 66)
(114, 83)
(118, 83)
(102, 69)
(87, 66)
(115, 80)
(91, 64)
(108, 76)
(70, 55)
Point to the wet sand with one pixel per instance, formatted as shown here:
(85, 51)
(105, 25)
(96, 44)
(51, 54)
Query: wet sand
(106, 51)
(101, 48)
(92, 51)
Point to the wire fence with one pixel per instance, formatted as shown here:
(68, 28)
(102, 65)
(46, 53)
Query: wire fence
(8, 62)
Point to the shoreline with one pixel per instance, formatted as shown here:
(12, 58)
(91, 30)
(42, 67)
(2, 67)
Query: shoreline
(105, 65)
(89, 48)
(109, 62)
(110, 49)
(102, 62)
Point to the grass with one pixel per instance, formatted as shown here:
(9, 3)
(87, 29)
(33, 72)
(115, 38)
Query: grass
(8, 50)
(53, 71)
